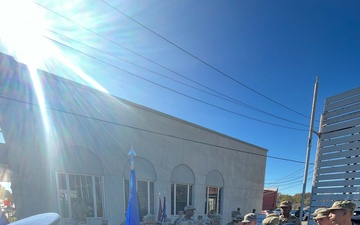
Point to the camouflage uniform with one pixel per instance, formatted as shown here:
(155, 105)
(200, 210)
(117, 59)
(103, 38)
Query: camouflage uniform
(236, 217)
(216, 219)
(291, 219)
(271, 219)
(287, 205)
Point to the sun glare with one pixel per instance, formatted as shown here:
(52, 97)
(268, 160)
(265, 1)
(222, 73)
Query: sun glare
(22, 25)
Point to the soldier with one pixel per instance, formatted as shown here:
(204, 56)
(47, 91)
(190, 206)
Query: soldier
(189, 212)
(215, 219)
(79, 210)
(286, 217)
(271, 219)
(180, 215)
(200, 220)
(149, 219)
(235, 217)
(321, 216)
(250, 219)
(341, 212)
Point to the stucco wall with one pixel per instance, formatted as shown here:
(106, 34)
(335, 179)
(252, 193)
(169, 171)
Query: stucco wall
(106, 128)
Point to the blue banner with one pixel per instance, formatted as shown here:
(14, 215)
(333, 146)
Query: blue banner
(132, 214)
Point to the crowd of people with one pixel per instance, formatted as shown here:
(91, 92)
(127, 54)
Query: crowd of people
(339, 213)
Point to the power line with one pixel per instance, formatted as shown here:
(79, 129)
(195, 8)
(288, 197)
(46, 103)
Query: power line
(109, 40)
(220, 95)
(202, 61)
(188, 96)
(145, 130)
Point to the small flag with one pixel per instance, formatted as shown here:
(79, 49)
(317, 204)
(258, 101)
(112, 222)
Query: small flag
(163, 216)
(160, 210)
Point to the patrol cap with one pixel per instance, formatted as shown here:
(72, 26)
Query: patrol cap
(271, 219)
(216, 217)
(285, 204)
(322, 213)
(149, 218)
(344, 205)
(317, 210)
(249, 217)
(189, 207)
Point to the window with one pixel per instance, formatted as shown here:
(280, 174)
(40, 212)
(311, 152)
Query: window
(181, 196)
(145, 191)
(89, 188)
(212, 199)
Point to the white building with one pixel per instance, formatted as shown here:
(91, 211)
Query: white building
(78, 145)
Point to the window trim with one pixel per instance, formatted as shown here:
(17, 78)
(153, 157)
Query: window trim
(93, 182)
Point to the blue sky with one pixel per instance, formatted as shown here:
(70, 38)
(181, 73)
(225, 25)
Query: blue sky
(275, 48)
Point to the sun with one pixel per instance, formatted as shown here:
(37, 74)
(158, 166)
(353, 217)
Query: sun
(22, 25)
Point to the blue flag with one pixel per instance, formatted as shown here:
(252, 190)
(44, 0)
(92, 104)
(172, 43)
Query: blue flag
(163, 216)
(132, 214)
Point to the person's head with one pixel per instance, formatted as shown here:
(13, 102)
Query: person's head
(149, 219)
(321, 216)
(207, 221)
(285, 207)
(238, 219)
(216, 219)
(189, 211)
(250, 219)
(180, 213)
(271, 219)
(341, 212)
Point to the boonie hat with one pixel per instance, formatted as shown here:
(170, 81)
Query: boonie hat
(249, 217)
(322, 213)
(189, 207)
(285, 204)
(271, 219)
(344, 205)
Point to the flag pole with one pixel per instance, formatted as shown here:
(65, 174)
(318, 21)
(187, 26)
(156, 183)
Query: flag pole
(132, 213)
(311, 130)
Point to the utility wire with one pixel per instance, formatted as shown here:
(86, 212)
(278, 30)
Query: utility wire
(144, 130)
(220, 95)
(188, 96)
(202, 61)
(115, 43)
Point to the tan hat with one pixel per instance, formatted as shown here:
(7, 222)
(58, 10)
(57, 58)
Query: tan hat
(285, 204)
(189, 207)
(317, 210)
(271, 219)
(249, 217)
(343, 205)
(216, 217)
(322, 213)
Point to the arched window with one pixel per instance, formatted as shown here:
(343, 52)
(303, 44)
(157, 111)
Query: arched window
(182, 181)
